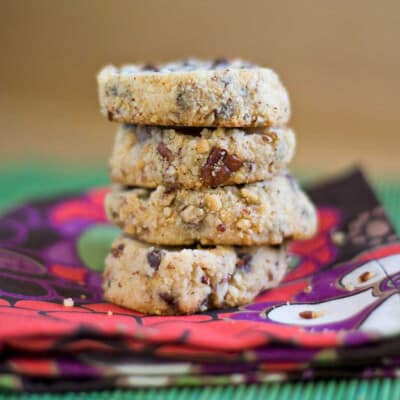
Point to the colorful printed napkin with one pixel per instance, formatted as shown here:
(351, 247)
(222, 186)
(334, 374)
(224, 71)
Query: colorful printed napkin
(336, 314)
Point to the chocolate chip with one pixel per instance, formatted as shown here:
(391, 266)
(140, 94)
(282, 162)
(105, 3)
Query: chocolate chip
(233, 162)
(243, 262)
(226, 110)
(114, 90)
(220, 62)
(154, 258)
(219, 167)
(168, 191)
(205, 279)
(150, 67)
(110, 115)
(270, 276)
(165, 152)
(221, 228)
(168, 298)
(180, 100)
(117, 251)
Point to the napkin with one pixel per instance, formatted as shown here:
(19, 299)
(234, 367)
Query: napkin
(336, 314)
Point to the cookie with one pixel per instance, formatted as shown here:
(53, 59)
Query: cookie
(266, 212)
(164, 280)
(194, 93)
(148, 156)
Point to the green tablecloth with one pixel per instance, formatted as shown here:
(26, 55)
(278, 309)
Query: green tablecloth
(21, 182)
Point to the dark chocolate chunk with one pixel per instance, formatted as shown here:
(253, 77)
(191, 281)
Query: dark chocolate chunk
(117, 251)
(205, 279)
(232, 162)
(219, 167)
(154, 258)
(270, 276)
(226, 109)
(243, 262)
(168, 298)
(165, 152)
(221, 228)
(110, 115)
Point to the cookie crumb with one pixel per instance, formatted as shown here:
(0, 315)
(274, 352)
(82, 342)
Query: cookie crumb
(192, 214)
(109, 313)
(83, 296)
(365, 276)
(338, 238)
(307, 289)
(350, 286)
(308, 314)
(68, 302)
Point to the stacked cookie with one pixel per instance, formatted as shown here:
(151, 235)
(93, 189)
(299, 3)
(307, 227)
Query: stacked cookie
(201, 187)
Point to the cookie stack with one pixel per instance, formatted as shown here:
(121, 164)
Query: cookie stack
(201, 187)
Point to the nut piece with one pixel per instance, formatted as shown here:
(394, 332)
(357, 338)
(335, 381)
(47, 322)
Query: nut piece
(202, 146)
(243, 224)
(213, 202)
(250, 196)
(167, 211)
(192, 215)
(140, 164)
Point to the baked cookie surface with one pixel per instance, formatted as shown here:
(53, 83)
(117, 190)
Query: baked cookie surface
(267, 212)
(168, 281)
(192, 158)
(230, 93)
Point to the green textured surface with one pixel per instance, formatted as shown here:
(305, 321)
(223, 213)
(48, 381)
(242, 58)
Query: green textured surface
(20, 183)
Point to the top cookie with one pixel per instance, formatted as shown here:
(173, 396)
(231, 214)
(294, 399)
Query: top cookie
(222, 93)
